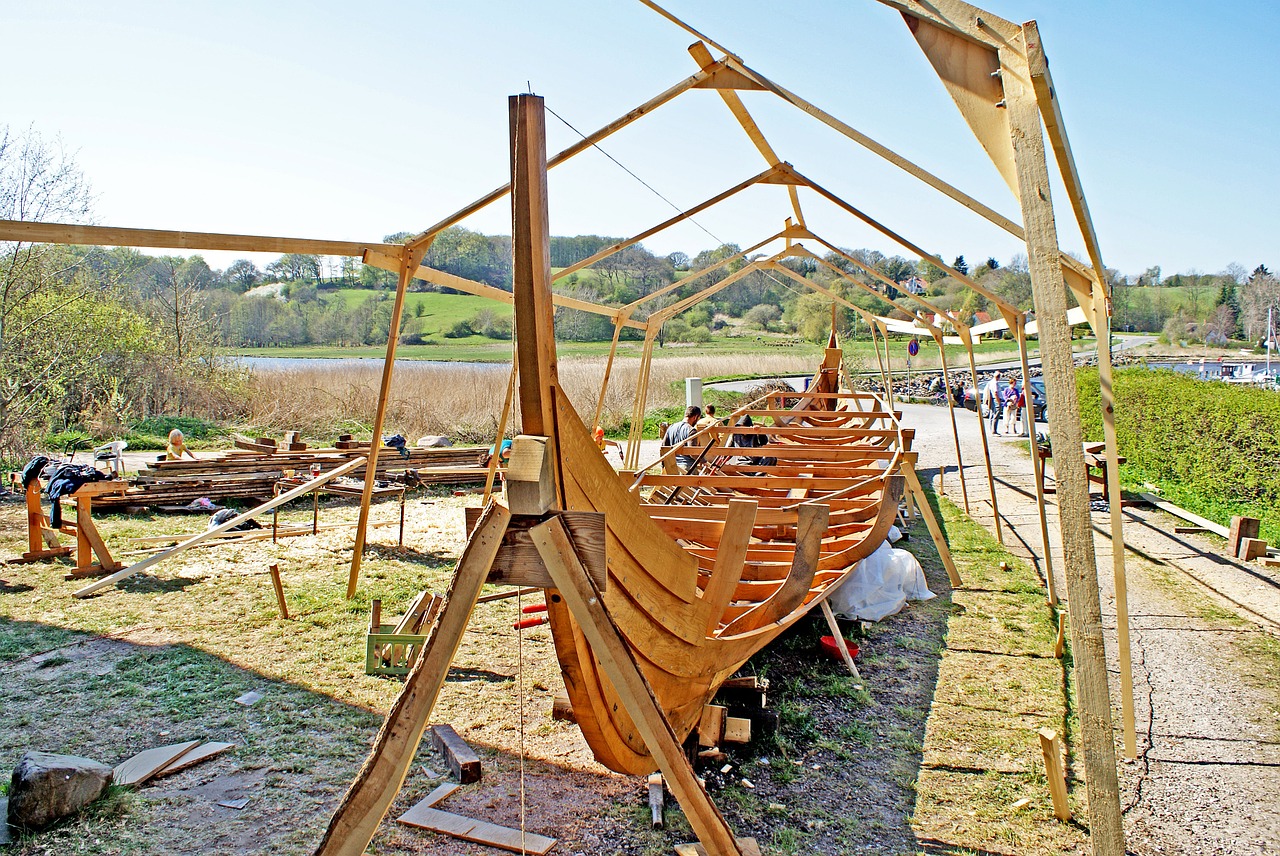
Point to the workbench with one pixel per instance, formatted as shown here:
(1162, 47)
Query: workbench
(1095, 466)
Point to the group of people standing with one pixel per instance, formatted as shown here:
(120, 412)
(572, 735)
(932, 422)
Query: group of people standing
(1009, 400)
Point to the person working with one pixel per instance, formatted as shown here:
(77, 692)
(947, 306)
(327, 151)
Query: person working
(681, 431)
(603, 443)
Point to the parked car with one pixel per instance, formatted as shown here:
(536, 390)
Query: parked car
(1037, 397)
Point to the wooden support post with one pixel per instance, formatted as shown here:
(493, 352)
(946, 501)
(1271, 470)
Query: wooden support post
(642, 392)
(967, 338)
(739, 520)
(379, 780)
(608, 369)
(585, 602)
(283, 498)
(951, 411)
(276, 584)
(657, 802)
(935, 531)
(834, 626)
(886, 367)
(1088, 650)
(1051, 749)
(1017, 323)
(409, 261)
(496, 457)
(1124, 656)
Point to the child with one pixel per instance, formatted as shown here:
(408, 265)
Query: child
(177, 446)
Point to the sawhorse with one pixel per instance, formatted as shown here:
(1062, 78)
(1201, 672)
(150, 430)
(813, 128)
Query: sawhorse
(42, 538)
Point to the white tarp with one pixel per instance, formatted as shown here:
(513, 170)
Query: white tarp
(881, 585)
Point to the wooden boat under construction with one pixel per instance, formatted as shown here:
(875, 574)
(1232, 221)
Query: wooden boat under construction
(715, 563)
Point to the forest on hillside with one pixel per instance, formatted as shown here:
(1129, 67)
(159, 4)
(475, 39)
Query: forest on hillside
(113, 334)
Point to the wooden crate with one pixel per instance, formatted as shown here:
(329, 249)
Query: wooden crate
(389, 653)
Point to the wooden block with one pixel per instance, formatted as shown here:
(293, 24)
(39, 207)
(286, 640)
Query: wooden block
(1270, 562)
(519, 564)
(562, 708)
(375, 615)
(144, 765)
(530, 486)
(657, 801)
(481, 832)
(464, 762)
(711, 725)
(203, 752)
(1051, 749)
(1241, 528)
(1251, 548)
(746, 682)
(737, 730)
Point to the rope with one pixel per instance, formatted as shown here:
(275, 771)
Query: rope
(520, 705)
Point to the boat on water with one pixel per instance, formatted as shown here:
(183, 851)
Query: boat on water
(707, 567)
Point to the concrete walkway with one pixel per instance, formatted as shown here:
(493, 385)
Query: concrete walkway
(1203, 635)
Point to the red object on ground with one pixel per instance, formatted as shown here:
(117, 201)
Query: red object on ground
(526, 623)
(831, 649)
(534, 607)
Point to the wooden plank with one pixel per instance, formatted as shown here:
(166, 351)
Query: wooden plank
(438, 795)
(417, 606)
(141, 767)
(1208, 525)
(283, 498)
(612, 651)
(1051, 749)
(457, 754)
(711, 725)
(375, 787)
(424, 816)
(190, 758)
(114, 236)
(737, 729)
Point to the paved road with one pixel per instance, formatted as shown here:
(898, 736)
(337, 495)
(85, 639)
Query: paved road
(1206, 700)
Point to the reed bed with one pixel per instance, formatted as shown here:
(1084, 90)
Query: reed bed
(464, 401)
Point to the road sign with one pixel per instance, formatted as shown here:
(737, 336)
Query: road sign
(913, 347)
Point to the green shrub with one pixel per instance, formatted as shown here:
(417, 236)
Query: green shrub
(191, 427)
(73, 439)
(1213, 440)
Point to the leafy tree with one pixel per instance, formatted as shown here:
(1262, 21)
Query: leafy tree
(763, 316)
(679, 260)
(295, 266)
(243, 275)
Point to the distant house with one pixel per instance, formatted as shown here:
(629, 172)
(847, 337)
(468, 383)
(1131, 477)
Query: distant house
(915, 285)
(981, 318)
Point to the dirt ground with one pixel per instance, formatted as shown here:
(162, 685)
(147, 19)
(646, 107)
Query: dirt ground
(1206, 653)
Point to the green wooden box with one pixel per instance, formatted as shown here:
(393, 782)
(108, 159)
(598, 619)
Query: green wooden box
(389, 653)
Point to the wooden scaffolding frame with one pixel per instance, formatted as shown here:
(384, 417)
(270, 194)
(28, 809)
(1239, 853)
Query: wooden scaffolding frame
(997, 74)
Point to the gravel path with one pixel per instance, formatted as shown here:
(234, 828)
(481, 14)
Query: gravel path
(1204, 639)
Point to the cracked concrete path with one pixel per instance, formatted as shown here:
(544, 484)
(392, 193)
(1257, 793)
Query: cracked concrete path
(1205, 638)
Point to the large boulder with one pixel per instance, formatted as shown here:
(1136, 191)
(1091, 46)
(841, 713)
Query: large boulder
(48, 787)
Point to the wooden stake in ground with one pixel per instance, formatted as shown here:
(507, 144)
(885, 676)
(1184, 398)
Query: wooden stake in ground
(274, 570)
(1051, 749)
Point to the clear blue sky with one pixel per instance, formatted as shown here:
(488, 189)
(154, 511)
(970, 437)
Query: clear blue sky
(344, 120)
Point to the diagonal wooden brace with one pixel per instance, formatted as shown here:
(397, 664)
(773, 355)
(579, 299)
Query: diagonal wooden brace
(555, 545)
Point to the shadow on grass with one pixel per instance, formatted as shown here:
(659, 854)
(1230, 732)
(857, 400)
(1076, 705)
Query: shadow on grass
(296, 753)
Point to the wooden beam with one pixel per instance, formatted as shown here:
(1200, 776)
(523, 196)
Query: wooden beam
(731, 553)
(1018, 324)
(951, 411)
(1105, 819)
(765, 176)
(494, 459)
(610, 648)
(935, 531)
(409, 262)
(378, 782)
(982, 432)
(283, 498)
(702, 56)
(115, 236)
(578, 147)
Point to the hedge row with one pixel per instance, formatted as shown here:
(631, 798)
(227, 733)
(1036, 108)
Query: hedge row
(1216, 440)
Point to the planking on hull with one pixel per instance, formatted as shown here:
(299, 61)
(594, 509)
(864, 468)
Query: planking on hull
(714, 564)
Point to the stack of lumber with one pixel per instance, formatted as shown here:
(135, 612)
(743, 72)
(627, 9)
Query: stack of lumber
(243, 474)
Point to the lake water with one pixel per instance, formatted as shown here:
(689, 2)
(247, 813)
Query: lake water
(284, 364)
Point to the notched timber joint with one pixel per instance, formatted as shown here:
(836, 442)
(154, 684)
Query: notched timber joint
(518, 562)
